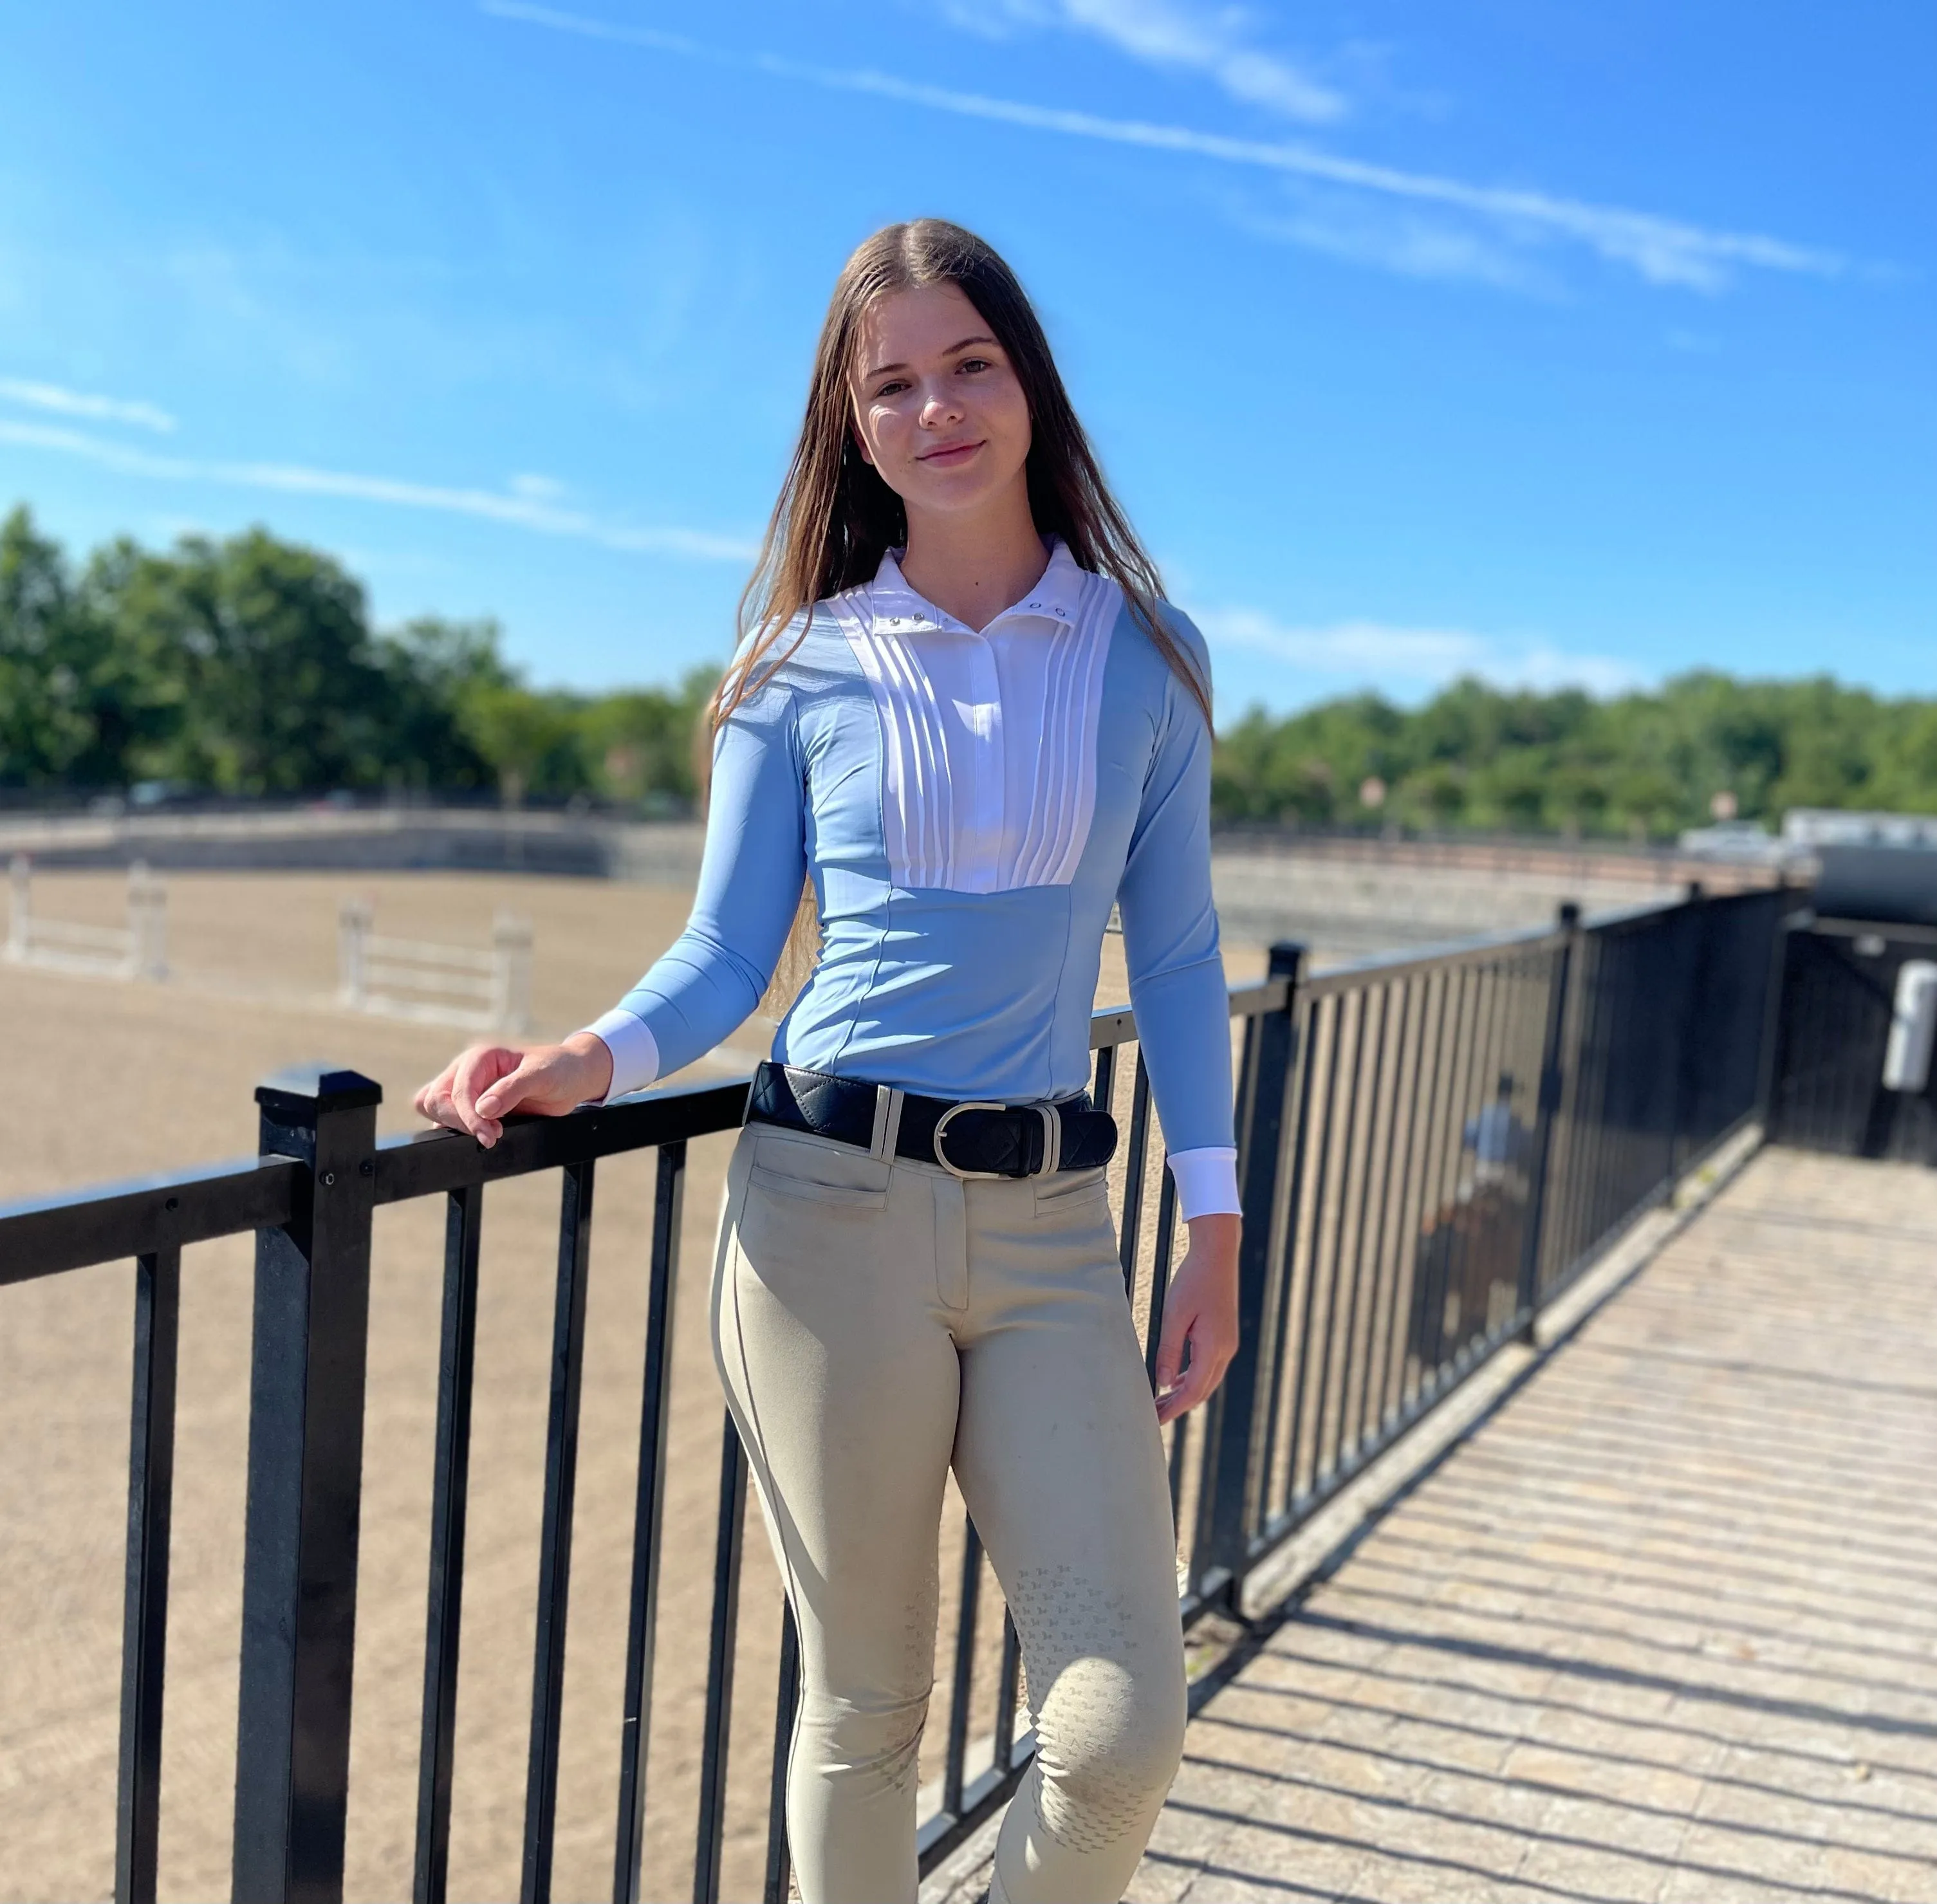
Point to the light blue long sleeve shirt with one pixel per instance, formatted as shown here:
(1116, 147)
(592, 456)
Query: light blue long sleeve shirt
(968, 806)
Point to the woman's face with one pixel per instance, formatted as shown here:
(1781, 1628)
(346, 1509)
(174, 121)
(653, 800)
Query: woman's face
(938, 408)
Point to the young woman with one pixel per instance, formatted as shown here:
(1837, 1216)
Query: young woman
(963, 717)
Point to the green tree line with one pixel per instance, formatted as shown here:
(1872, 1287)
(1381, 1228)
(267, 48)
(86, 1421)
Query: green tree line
(250, 666)
(1641, 766)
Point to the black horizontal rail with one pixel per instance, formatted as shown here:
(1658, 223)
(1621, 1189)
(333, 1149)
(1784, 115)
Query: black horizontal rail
(107, 1222)
(1433, 1145)
(428, 1161)
(103, 1223)
(1485, 948)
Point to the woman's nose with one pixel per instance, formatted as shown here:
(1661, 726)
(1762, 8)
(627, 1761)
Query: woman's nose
(940, 407)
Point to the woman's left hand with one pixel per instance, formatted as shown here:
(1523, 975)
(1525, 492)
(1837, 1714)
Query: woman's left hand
(1200, 1309)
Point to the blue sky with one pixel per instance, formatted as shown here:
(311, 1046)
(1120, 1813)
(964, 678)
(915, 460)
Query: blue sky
(1554, 342)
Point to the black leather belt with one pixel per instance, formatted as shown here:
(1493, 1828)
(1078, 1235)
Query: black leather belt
(972, 1139)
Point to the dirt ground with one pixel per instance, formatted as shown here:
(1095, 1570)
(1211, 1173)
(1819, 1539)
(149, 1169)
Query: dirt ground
(109, 1079)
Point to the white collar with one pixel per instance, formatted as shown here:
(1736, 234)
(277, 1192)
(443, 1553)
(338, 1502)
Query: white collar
(1058, 597)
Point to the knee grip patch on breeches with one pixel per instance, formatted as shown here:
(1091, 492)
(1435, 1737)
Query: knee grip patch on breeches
(1109, 1729)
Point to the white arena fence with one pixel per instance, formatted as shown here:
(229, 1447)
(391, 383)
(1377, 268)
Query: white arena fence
(454, 985)
(138, 949)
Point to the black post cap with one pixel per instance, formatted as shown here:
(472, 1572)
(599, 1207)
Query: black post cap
(1285, 956)
(298, 1093)
(1569, 916)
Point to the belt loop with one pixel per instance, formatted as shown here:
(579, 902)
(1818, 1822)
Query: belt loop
(1052, 1139)
(887, 1130)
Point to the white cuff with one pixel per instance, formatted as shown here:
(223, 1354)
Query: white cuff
(635, 1052)
(1207, 1181)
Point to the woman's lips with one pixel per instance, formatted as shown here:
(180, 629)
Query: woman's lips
(948, 457)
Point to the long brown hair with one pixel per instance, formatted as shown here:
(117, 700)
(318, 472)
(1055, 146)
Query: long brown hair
(835, 518)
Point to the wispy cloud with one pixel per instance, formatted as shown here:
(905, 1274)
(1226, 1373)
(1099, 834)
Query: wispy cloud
(514, 510)
(1659, 250)
(78, 403)
(1398, 238)
(1213, 41)
(1404, 660)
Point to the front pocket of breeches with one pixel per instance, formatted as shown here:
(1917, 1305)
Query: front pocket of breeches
(1069, 1191)
(821, 1173)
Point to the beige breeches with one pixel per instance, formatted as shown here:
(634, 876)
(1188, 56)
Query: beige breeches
(875, 1324)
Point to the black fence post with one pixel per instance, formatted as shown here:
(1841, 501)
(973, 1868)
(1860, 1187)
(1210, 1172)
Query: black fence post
(450, 1490)
(151, 1444)
(1528, 1303)
(1785, 922)
(1234, 1429)
(1683, 1095)
(305, 1472)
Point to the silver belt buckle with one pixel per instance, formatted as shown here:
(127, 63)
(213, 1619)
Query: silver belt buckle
(942, 1124)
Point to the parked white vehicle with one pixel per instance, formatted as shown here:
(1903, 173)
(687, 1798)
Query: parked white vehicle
(1807, 827)
(1744, 842)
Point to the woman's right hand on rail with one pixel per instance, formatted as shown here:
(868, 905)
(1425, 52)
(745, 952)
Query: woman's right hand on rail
(480, 1088)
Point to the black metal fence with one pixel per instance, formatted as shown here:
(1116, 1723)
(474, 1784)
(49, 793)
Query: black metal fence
(1430, 1148)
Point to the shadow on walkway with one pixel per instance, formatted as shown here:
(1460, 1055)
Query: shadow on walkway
(1664, 1628)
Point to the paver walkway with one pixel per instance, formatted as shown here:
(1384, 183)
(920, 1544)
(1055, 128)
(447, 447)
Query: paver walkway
(1664, 1628)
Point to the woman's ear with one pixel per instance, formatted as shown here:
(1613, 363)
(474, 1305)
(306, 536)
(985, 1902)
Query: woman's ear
(860, 442)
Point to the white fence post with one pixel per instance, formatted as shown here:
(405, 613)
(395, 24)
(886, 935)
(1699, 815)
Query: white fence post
(20, 930)
(511, 973)
(440, 984)
(148, 924)
(353, 920)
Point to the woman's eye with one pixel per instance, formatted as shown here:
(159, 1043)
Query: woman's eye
(893, 387)
(973, 363)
